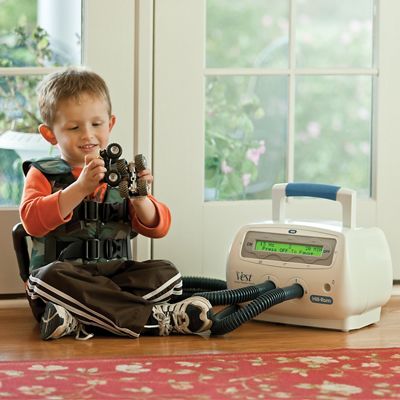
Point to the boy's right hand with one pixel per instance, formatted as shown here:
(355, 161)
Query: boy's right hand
(87, 182)
(92, 173)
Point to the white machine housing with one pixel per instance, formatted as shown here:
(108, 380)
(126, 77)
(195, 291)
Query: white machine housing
(346, 272)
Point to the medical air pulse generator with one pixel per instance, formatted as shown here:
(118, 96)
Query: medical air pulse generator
(345, 271)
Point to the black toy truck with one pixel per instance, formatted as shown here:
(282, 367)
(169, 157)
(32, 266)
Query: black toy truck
(123, 174)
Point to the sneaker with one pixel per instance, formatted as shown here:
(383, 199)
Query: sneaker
(189, 316)
(57, 322)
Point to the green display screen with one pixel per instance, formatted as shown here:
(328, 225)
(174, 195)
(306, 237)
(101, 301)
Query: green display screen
(289, 248)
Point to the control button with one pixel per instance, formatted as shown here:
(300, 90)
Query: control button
(327, 287)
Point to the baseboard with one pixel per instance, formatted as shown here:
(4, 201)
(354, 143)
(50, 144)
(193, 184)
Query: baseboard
(396, 289)
(14, 303)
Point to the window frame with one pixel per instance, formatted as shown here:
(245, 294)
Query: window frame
(293, 72)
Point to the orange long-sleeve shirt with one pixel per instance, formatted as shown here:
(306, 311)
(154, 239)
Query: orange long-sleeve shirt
(40, 211)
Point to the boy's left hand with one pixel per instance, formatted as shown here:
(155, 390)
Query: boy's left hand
(143, 206)
(146, 175)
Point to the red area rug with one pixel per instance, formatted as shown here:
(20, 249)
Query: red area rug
(325, 374)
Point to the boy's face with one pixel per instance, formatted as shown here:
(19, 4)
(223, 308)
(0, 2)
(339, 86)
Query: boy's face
(81, 127)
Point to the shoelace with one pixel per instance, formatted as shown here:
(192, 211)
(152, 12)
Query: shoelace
(163, 317)
(80, 329)
(73, 325)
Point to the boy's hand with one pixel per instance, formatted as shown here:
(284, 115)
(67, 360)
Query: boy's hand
(87, 182)
(92, 173)
(144, 207)
(146, 176)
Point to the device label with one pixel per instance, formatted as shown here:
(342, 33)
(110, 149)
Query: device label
(243, 277)
(321, 299)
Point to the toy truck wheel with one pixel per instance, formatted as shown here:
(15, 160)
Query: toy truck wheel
(121, 166)
(140, 162)
(114, 150)
(142, 188)
(124, 189)
(113, 178)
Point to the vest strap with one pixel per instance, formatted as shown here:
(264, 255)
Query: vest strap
(90, 210)
(90, 249)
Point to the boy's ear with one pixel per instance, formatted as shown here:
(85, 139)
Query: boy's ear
(112, 122)
(48, 134)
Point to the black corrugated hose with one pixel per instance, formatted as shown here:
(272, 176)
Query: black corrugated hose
(226, 322)
(236, 296)
(262, 297)
(195, 284)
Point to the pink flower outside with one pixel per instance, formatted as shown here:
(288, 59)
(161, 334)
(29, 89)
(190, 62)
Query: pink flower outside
(254, 154)
(225, 168)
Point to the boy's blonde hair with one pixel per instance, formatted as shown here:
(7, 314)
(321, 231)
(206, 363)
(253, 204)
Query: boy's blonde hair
(66, 84)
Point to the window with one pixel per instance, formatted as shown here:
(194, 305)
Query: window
(91, 41)
(36, 38)
(289, 95)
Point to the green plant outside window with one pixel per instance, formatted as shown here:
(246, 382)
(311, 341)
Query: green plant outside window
(23, 44)
(247, 114)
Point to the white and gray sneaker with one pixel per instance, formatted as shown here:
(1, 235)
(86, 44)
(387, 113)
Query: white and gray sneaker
(57, 322)
(189, 316)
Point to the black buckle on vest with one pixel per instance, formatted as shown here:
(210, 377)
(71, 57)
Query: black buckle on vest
(91, 210)
(112, 248)
(92, 249)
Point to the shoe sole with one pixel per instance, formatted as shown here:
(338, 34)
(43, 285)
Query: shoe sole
(201, 300)
(208, 323)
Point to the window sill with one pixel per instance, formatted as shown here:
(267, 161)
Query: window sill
(27, 145)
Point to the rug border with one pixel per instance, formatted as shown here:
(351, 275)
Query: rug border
(179, 357)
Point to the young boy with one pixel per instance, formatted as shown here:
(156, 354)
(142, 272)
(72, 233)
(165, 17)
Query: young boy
(81, 228)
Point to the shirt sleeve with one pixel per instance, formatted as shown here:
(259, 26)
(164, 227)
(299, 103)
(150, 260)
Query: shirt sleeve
(164, 221)
(39, 209)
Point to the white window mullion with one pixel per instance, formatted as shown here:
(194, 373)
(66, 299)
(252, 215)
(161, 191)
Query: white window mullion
(20, 71)
(337, 71)
(292, 93)
(375, 103)
(288, 71)
(245, 71)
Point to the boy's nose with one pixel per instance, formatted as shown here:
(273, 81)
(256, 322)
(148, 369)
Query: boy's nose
(86, 130)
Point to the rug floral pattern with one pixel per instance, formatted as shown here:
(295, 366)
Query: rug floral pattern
(335, 374)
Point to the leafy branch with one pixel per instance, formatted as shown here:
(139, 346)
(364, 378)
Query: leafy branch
(22, 48)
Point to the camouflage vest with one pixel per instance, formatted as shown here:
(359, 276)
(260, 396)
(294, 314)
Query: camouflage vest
(97, 232)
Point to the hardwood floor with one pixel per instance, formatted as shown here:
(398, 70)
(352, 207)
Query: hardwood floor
(19, 339)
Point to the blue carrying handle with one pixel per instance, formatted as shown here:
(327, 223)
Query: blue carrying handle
(346, 197)
(319, 190)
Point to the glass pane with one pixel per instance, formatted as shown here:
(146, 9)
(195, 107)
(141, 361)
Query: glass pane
(333, 131)
(247, 33)
(245, 143)
(19, 140)
(331, 35)
(19, 111)
(11, 178)
(40, 33)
